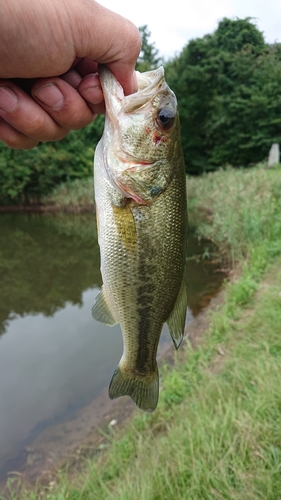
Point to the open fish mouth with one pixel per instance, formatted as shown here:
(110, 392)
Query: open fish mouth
(137, 137)
(147, 85)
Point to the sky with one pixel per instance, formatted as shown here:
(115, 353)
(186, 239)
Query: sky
(173, 23)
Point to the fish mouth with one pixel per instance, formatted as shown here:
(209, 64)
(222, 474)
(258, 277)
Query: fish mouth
(134, 162)
(147, 83)
(114, 95)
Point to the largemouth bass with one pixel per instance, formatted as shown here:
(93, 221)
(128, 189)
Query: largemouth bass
(141, 208)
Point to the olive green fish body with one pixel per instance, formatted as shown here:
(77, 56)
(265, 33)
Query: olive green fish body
(142, 224)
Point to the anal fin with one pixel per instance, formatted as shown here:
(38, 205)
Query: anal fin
(101, 311)
(176, 320)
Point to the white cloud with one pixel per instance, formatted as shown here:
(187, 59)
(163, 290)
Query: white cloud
(174, 23)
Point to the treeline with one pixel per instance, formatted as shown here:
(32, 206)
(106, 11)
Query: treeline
(228, 89)
(26, 176)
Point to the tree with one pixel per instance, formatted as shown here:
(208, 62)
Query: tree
(28, 175)
(149, 55)
(227, 88)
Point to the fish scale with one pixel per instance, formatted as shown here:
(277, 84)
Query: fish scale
(142, 229)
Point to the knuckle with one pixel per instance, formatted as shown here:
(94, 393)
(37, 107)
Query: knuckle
(30, 144)
(43, 128)
(15, 141)
(82, 121)
(13, 138)
(59, 135)
(38, 126)
(133, 41)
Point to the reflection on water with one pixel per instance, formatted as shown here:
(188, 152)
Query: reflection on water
(54, 358)
(44, 262)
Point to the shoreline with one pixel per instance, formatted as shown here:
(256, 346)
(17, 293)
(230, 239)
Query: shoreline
(72, 209)
(41, 467)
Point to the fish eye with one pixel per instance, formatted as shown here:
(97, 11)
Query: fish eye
(165, 118)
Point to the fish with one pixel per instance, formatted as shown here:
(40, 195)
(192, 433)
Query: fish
(141, 209)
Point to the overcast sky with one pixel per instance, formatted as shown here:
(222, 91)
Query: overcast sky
(173, 22)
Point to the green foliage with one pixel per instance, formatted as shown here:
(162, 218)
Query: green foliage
(149, 55)
(26, 176)
(239, 209)
(76, 195)
(227, 85)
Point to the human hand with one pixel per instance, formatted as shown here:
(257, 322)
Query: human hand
(49, 54)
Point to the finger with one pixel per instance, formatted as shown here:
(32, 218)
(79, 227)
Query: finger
(120, 47)
(63, 103)
(86, 66)
(128, 82)
(14, 139)
(24, 115)
(82, 69)
(90, 90)
(72, 77)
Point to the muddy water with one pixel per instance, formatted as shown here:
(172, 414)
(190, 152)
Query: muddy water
(55, 361)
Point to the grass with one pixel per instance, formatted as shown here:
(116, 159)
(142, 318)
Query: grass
(238, 209)
(77, 196)
(216, 433)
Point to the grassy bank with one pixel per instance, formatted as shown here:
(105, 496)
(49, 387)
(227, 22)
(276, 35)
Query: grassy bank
(73, 196)
(216, 432)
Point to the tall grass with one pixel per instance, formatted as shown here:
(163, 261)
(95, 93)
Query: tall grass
(238, 208)
(77, 195)
(216, 433)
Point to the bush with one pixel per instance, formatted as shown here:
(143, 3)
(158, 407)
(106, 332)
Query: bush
(26, 176)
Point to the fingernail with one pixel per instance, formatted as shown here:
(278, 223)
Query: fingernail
(8, 99)
(50, 95)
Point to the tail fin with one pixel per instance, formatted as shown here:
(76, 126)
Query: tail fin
(143, 391)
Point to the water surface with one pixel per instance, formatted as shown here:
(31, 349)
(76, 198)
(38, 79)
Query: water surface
(54, 358)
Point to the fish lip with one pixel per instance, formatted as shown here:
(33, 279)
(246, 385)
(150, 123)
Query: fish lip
(117, 103)
(146, 92)
(147, 82)
(143, 166)
(135, 163)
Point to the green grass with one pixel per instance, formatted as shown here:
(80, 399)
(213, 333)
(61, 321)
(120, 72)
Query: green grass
(216, 432)
(238, 209)
(77, 195)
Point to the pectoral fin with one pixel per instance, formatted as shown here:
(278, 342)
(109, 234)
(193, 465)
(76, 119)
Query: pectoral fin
(101, 311)
(176, 320)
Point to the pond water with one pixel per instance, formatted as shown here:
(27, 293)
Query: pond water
(55, 360)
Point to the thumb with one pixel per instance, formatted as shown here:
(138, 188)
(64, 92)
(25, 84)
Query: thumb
(108, 38)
